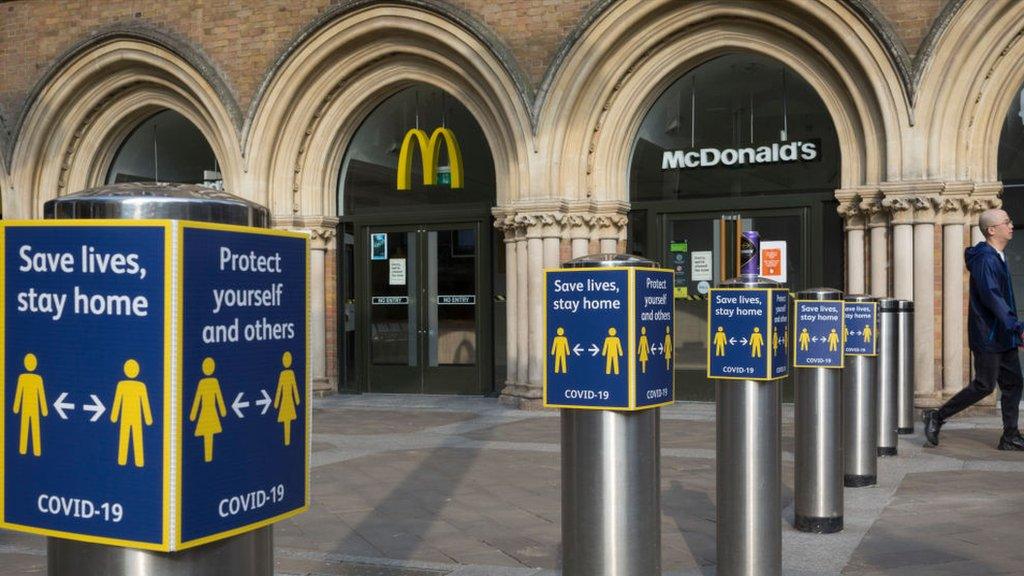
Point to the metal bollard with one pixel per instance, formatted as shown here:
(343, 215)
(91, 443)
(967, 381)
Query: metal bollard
(818, 460)
(749, 470)
(860, 420)
(250, 553)
(888, 352)
(611, 480)
(905, 367)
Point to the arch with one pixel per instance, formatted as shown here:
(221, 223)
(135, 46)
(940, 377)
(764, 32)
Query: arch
(634, 50)
(970, 79)
(86, 107)
(329, 84)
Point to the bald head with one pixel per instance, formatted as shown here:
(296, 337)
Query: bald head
(991, 218)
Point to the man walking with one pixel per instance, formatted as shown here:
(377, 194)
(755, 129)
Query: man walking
(994, 333)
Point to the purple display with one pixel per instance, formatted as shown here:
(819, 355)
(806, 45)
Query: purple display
(750, 253)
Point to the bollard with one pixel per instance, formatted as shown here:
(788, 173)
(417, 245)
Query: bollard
(860, 393)
(250, 553)
(817, 364)
(749, 454)
(888, 395)
(611, 493)
(905, 367)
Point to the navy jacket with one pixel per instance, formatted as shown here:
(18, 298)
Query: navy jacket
(992, 318)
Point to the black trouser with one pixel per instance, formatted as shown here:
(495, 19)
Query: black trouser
(991, 368)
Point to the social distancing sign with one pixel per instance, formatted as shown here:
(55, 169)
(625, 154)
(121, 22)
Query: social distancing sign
(748, 333)
(818, 328)
(155, 377)
(860, 328)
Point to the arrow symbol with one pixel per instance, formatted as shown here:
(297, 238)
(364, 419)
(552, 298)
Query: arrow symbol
(732, 340)
(96, 407)
(814, 338)
(265, 402)
(576, 350)
(60, 405)
(594, 350)
(237, 405)
(743, 340)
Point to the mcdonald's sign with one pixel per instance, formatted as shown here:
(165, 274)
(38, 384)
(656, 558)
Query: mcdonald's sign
(430, 152)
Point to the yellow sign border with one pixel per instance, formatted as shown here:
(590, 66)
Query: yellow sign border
(842, 324)
(874, 340)
(631, 306)
(768, 332)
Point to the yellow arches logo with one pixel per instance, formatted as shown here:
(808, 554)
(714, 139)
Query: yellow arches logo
(430, 151)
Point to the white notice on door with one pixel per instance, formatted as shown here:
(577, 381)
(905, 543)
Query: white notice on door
(700, 266)
(397, 271)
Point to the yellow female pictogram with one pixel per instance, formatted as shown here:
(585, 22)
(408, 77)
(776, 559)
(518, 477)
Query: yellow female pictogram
(209, 407)
(560, 350)
(30, 401)
(668, 347)
(611, 350)
(805, 340)
(131, 407)
(286, 397)
(642, 347)
(720, 341)
(756, 342)
(833, 341)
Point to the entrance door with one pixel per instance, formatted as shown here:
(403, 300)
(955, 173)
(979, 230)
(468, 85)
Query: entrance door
(423, 309)
(703, 250)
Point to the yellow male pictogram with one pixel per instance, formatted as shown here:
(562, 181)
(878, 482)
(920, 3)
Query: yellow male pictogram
(30, 401)
(209, 407)
(286, 397)
(833, 341)
(805, 340)
(668, 347)
(611, 351)
(756, 342)
(867, 333)
(131, 407)
(720, 341)
(560, 350)
(642, 348)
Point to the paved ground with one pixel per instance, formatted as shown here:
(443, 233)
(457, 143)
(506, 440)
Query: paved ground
(417, 486)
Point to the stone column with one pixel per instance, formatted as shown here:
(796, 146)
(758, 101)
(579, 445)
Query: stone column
(508, 228)
(924, 297)
(610, 230)
(853, 223)
(535, 313)
(580, 230)
(951, 210)
(551, 230)
(902, 217)
(878, 224)
(522, 312)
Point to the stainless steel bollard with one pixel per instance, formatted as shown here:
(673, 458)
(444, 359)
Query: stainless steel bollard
(860, 420)
(888, 351)
(749, 470)
(905, 367)
(818, 460)
(251, 553)
(609, 458)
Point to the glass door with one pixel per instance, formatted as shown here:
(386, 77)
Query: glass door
(703, 251)
(423, 309)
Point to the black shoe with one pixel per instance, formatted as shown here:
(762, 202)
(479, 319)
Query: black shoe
(932, 425)
(1011, 441)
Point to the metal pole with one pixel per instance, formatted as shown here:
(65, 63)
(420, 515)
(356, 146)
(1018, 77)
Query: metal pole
(905, 367)
(860, 422)
(887, 376)
(749, 470)
(251, 553)
(611, 481)
(818, 461)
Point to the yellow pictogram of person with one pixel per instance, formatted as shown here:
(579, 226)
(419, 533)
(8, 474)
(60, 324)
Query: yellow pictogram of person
(846, 334)
(720, 341)
(30, 402)
(209, 407)
(785, 338)
(286, 397)
(642, 348)
(805, 340)
(611, 351)
(131, 407)
(775, 342)
(560, 350)
(867, 333)
(668, 347)
(756, 342)
(833, 341)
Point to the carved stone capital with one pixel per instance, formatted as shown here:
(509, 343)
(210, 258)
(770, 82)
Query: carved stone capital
(925, 207)
(322, 230)
(900, 207)
(580, 224)
(952, 209)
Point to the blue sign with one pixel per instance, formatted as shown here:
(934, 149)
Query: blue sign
(607, 331)
(245, 400)
(818, 334)
(860, 329)
(155, 380)
(780, 333)
(741, 330)
(86, 392)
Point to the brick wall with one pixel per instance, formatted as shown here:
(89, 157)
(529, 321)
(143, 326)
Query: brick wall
(912, 19)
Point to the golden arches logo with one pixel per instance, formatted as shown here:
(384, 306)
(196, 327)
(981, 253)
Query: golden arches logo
(430, 152)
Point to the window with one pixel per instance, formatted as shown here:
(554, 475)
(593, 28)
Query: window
(166, 147)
